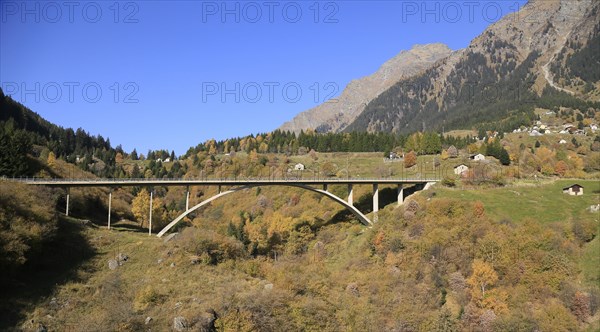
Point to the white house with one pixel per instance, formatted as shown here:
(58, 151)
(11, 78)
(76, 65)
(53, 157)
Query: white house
(168, 160)
(562, 141)
(573, 190)
(594, 127)
(459, 169)
(477, 157)
(299, 167)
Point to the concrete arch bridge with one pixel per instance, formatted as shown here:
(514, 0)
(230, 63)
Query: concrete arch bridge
(315, 185)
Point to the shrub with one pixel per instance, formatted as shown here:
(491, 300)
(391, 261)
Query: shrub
(212, 247)
(146, 296)
(449, 182)
(584, 230)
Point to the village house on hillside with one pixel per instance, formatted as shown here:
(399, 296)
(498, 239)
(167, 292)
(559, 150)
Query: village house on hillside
(459, 169)
(477, 157)
(299, 167)
(574, 190)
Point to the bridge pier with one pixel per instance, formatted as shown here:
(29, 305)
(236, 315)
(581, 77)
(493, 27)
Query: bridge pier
(400, 194)
(109, 206)
(219, 189)
(187, 199)
(150, 220)
(350, 194)
(375, 200)
(325, 187)
(68, 196)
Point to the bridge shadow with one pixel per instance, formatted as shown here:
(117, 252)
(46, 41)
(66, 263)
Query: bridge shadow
(57, 263)
(126, 227)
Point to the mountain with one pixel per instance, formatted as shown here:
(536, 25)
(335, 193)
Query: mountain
(337, 114)
(544, 55)
(504, 73)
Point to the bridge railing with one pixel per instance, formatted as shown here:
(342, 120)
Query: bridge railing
(221, 179)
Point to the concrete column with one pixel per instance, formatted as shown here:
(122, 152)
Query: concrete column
(109, 206)
(150, 220)
(187, 199)
(350, 194)
(68, 197)
(400, 194)
(219, 191)
(325, 186)
(375, 197)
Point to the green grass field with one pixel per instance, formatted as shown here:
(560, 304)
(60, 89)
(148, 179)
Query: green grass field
(543, 201)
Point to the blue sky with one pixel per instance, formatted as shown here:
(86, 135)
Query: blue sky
(171, 74)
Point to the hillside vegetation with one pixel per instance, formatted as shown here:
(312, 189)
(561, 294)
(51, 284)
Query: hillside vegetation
(445, 260)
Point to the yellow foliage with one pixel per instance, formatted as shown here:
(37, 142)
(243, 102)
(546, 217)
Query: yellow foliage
(51, 159)
(495, 300)
(483, 276)
(444, 155)
(145, 297)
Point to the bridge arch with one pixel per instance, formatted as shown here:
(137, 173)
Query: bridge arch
(361, 217)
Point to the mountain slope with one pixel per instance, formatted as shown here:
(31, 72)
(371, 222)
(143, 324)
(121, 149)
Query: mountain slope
(335, 115)
(503, 73)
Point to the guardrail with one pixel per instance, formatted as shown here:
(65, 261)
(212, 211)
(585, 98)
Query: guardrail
(215, 179)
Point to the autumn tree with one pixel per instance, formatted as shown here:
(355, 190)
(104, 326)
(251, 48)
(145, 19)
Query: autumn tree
(51, 159)
(328, 169)
(140, 207)
(483, 276)
(560, 168)
(545, 158)
(444, 155)
(410, 159)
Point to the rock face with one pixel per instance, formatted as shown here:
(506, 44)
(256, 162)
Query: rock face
(180, 323)
(206, 321)
(113, 264)
(334, 116)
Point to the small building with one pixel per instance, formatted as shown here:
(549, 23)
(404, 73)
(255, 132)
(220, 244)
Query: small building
(452, 151)
(562, 141)
(460, 169)
(168, 160)
(299, 167)
(593, 127)
(477, 157)
(574, 190)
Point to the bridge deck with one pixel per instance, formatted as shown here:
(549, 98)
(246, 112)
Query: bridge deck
(211, 182)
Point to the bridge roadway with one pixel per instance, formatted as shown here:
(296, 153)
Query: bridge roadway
(235, 185)
(65, 183)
